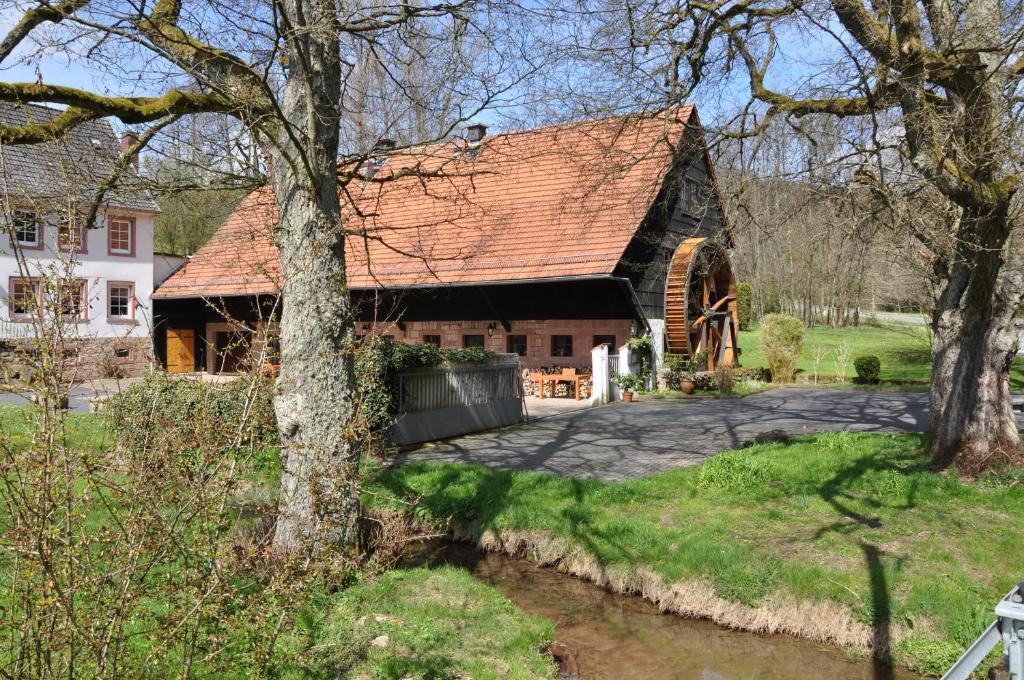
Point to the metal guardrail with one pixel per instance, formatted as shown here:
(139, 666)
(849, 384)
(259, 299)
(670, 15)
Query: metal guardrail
(1008, 627)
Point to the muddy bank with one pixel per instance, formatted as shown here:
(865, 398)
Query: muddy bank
(613, 636)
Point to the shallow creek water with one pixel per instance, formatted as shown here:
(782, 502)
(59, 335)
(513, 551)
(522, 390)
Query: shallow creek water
(616, 637)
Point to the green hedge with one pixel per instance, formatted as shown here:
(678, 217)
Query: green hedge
(188, 415)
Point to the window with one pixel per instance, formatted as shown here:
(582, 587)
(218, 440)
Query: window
(23, 297)
(121, 235)
(27, 230)
(516, 344)
(71, 300)
(604, 340)
(693, 200)
(472, 341)
(432, 340)
(561, 345)
(71, 237)
(120, 301)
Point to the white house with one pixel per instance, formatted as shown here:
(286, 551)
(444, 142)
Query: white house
(46, 191)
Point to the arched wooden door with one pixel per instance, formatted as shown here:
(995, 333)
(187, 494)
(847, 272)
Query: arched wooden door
(700, 302)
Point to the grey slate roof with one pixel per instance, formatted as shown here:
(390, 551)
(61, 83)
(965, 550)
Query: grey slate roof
(74, 163)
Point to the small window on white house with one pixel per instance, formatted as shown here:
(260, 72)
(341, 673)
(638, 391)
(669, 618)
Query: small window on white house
(120, 299)
(26, 228)
(121, 235)
(71, 299)
(23, 298)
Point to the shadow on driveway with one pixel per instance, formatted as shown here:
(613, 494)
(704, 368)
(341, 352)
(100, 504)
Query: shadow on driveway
(622, 441)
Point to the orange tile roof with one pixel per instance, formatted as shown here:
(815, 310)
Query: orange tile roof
(556, 201)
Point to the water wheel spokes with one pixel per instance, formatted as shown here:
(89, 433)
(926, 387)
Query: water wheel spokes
(700, 302)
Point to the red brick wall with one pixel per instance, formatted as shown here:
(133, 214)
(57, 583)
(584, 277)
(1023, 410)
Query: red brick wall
(538, 336)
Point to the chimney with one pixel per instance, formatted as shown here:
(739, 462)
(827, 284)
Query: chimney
(128, 140)
(475, 133)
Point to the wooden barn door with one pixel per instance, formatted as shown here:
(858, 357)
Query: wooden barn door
(181, 350)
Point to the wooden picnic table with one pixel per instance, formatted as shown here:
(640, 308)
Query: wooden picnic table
(555, 378)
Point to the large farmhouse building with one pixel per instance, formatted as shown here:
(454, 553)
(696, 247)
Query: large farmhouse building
(543, 243)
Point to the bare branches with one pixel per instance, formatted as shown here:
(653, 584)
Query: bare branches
(34, 17)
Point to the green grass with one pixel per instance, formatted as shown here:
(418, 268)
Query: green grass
(855, 519)
(438, 623)
(903, 349)
(85, 431)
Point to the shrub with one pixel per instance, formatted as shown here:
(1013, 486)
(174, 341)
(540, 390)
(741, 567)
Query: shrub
(782, 339)
(726, 378)
(180, 414)
(744, 304)
(868, 368)
(705, 381)
(754, 373)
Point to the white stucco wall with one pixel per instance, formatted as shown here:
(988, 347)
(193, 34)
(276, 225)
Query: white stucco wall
(97, 267)
(164, 265)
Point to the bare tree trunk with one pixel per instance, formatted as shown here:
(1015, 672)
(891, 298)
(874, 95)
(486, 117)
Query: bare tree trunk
(315, 404)
(975, 344)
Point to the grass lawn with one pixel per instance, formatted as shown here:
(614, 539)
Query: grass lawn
(903, 349)
(854, 524)
(430, 623)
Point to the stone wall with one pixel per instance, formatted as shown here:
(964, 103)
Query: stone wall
(84, 359)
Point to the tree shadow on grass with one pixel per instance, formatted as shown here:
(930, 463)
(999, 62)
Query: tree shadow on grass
(836, 492)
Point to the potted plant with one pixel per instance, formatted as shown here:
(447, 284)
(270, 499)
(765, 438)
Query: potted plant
(687, 382)
(629, 384)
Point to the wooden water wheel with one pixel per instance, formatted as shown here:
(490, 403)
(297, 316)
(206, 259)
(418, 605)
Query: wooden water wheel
(700, 302)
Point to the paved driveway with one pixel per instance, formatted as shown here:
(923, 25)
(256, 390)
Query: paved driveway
(620, 441)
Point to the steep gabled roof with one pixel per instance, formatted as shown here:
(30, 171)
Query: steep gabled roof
(72, 165)
(557, 201)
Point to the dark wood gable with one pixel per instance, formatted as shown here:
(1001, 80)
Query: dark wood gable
(687, 206)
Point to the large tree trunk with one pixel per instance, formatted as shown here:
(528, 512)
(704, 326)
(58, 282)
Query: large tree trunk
(319, 501)
(975, 342)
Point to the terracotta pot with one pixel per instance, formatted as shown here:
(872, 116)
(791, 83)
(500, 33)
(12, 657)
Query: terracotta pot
(627, 396)
(689, 387)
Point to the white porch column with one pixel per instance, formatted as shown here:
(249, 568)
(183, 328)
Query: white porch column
(601, 390)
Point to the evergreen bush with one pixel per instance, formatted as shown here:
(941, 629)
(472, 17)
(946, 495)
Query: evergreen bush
(868, 368)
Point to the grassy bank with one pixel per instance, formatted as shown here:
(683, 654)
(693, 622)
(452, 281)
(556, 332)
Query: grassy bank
(430, 623)
(903, 349)
(844, 538)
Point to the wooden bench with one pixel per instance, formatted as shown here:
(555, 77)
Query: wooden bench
(1018, 401)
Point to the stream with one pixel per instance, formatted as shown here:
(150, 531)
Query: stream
(617, 637)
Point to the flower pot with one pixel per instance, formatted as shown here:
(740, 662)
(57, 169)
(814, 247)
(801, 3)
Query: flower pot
(689, 387)
(627, 396)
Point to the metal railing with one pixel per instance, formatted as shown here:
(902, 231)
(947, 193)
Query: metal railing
(451, 387)
(1008, 628)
